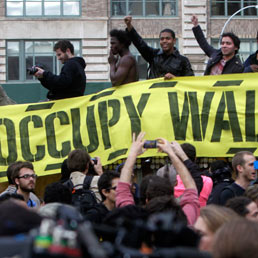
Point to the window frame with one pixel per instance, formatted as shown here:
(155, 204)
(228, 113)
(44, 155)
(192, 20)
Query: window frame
(43, 9)
(22, 58)
(226, 2)
(144, 3)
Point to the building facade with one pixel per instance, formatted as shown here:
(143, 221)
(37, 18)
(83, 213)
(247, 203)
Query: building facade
(29, 29)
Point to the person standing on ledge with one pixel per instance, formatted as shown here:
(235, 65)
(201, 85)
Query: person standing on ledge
(123, 69)
(72, 80)
(223, 60)
(165, 62)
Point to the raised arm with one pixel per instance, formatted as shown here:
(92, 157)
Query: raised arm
(124, 195)
(136, 150)
(181, 169)
(199, 36)
(146, 51)
(191, 166)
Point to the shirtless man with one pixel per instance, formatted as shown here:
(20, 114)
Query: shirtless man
(123, 68)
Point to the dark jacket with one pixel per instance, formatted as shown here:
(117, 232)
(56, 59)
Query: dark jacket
(234, 65)
(214, 197)
(70, 83)
(229, 192)
(249, 61)
(97, 213)
(160, 63)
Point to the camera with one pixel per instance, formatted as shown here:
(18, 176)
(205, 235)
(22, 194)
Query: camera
(150, 144)
(32, 70)
(95, 161)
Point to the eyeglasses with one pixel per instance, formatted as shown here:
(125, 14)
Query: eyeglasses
(112, 188)
(27, 176)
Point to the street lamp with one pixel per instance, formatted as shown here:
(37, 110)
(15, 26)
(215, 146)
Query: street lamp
(249, 6)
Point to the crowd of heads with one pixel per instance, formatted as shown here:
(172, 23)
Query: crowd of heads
(157, 223)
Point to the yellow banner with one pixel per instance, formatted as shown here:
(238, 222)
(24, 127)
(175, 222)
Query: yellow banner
(217, 114)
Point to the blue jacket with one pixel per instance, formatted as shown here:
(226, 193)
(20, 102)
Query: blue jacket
(249, 61)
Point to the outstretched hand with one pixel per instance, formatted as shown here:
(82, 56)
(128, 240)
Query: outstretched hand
(39, 73)
(164, 145)
(178, 150)
(137, 145)
(97, 167)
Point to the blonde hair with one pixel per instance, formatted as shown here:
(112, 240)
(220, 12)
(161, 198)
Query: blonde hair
(214, 216)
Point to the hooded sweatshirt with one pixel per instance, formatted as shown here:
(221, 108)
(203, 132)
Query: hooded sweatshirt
(70, 83)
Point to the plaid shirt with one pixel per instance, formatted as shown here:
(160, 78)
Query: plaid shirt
(218, 68)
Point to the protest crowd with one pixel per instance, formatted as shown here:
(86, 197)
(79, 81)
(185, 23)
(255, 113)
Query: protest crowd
(179, 211)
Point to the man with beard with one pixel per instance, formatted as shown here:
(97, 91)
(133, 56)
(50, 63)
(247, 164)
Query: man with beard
(123, 67)
(25, 181)
(11, 189)
(71, 82)
(223, 60)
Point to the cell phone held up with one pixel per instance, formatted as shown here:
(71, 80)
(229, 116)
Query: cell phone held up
(150, 144)
(95, 161)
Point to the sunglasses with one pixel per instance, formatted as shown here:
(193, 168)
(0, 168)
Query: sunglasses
(112, 188)
(27, 176)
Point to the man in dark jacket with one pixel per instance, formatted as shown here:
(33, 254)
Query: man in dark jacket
(72, 80)
(251, 63)
(243, 165)
(107, 188)
(223, 60)
(166, 61)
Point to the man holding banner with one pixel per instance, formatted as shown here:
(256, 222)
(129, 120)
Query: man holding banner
(165, 62)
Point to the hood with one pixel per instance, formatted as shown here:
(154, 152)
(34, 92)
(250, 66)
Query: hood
(80, 60)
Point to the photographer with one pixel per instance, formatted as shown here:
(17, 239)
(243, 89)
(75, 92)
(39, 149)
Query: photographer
(72, 80)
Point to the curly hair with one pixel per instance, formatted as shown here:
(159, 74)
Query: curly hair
(121, 36)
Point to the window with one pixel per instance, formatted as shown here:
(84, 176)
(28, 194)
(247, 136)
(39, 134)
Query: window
(142, 64)
(247, 47)
(229, 7)
(43, 7)
(144, 7)
(23, 54)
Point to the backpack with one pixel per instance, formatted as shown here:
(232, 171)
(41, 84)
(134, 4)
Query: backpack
(232, 190)
(83, 199)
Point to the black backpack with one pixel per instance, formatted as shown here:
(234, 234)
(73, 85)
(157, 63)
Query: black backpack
(83, 199)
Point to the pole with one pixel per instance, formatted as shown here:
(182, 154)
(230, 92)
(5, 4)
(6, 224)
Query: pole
(228, 20)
